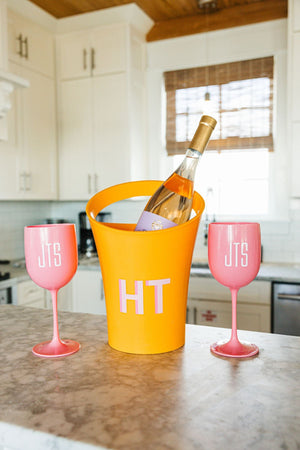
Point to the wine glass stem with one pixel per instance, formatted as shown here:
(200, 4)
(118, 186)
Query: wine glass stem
(56, 337)
(233, 320)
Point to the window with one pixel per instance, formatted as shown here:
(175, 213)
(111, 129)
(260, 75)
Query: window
(241, 99)
(233, 182)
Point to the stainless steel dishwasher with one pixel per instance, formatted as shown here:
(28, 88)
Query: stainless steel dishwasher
(286, 308)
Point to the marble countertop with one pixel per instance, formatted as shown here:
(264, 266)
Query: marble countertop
(279, 272)
(101, 398)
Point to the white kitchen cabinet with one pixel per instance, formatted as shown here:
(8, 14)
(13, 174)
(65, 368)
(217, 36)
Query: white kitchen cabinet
(111, 136)
(109, 48)
(9, 156)
(30, 45)
(38, 138)
(30, 169)
(209, 303)
(295, 144)
(218, 314)
(101, 113)
(88, 295)
(87, 134)
(296, 15)
(97, 52)
(30, 153)
(293, 97)
(295, 88)
(64, 298)
(29, 294)
(76, 170)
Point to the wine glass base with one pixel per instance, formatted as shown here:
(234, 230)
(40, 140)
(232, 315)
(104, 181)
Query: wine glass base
(240, 349)
(51, 349)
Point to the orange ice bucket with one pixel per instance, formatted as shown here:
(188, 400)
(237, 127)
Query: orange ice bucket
(145, 274)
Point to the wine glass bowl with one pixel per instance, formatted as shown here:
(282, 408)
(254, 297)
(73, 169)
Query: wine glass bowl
(45, 246)
(51, 262)
(234, 254)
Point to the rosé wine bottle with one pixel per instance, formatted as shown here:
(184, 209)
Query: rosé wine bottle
(171, 204)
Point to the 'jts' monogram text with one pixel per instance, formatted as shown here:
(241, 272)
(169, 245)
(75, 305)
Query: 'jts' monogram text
(238, 255)
(51, 256)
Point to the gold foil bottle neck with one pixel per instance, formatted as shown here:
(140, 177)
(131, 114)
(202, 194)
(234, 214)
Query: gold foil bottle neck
(203, 133)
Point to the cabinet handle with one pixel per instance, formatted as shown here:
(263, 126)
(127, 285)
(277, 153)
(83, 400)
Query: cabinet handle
(89, 183)
(93, 59)
(195, 316)
(96, 182)
(288, 297)
(84, 59)
(27, 177)
(102, 290)
(187, 315)
(20, 39)
(22, 181)
(25, 42)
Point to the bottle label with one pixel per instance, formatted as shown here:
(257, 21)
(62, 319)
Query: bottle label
(150, 222)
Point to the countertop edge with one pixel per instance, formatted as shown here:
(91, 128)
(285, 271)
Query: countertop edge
(11, 435)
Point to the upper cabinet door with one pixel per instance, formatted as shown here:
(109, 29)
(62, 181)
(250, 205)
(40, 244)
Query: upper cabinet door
(295, 76)
(76, 170)
(39, 137)
(74, 58)
(101, 51)
(9, 155)
(111, 141)
(108, 52)
(30, 45)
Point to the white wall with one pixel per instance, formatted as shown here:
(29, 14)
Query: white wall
(279, 232)
(240, 43)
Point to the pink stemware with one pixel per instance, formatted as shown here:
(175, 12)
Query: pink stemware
(234, 252)
(51, 262)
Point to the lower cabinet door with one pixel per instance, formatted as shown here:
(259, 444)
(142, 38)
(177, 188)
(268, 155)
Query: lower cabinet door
(216, 314)
(29, 294)
(252, 317)
(88, 294)
(64, 298)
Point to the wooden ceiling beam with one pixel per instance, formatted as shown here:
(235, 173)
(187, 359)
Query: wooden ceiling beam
(235, 16)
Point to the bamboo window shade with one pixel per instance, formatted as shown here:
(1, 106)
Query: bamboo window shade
(241, 97)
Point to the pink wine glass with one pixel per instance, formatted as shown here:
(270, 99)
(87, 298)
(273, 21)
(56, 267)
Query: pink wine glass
(234, 260)
(51, 262)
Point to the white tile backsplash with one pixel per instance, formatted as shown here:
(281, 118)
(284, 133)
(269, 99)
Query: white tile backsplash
(280, 239)
(14, 216)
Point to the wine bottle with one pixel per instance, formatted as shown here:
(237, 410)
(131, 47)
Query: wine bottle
(171, 204)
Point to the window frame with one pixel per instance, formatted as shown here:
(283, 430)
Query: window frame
(219, 74)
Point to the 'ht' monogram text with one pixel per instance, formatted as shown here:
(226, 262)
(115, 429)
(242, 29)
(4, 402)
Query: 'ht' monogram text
(238, 255)
(138, 296)
(51, 256)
